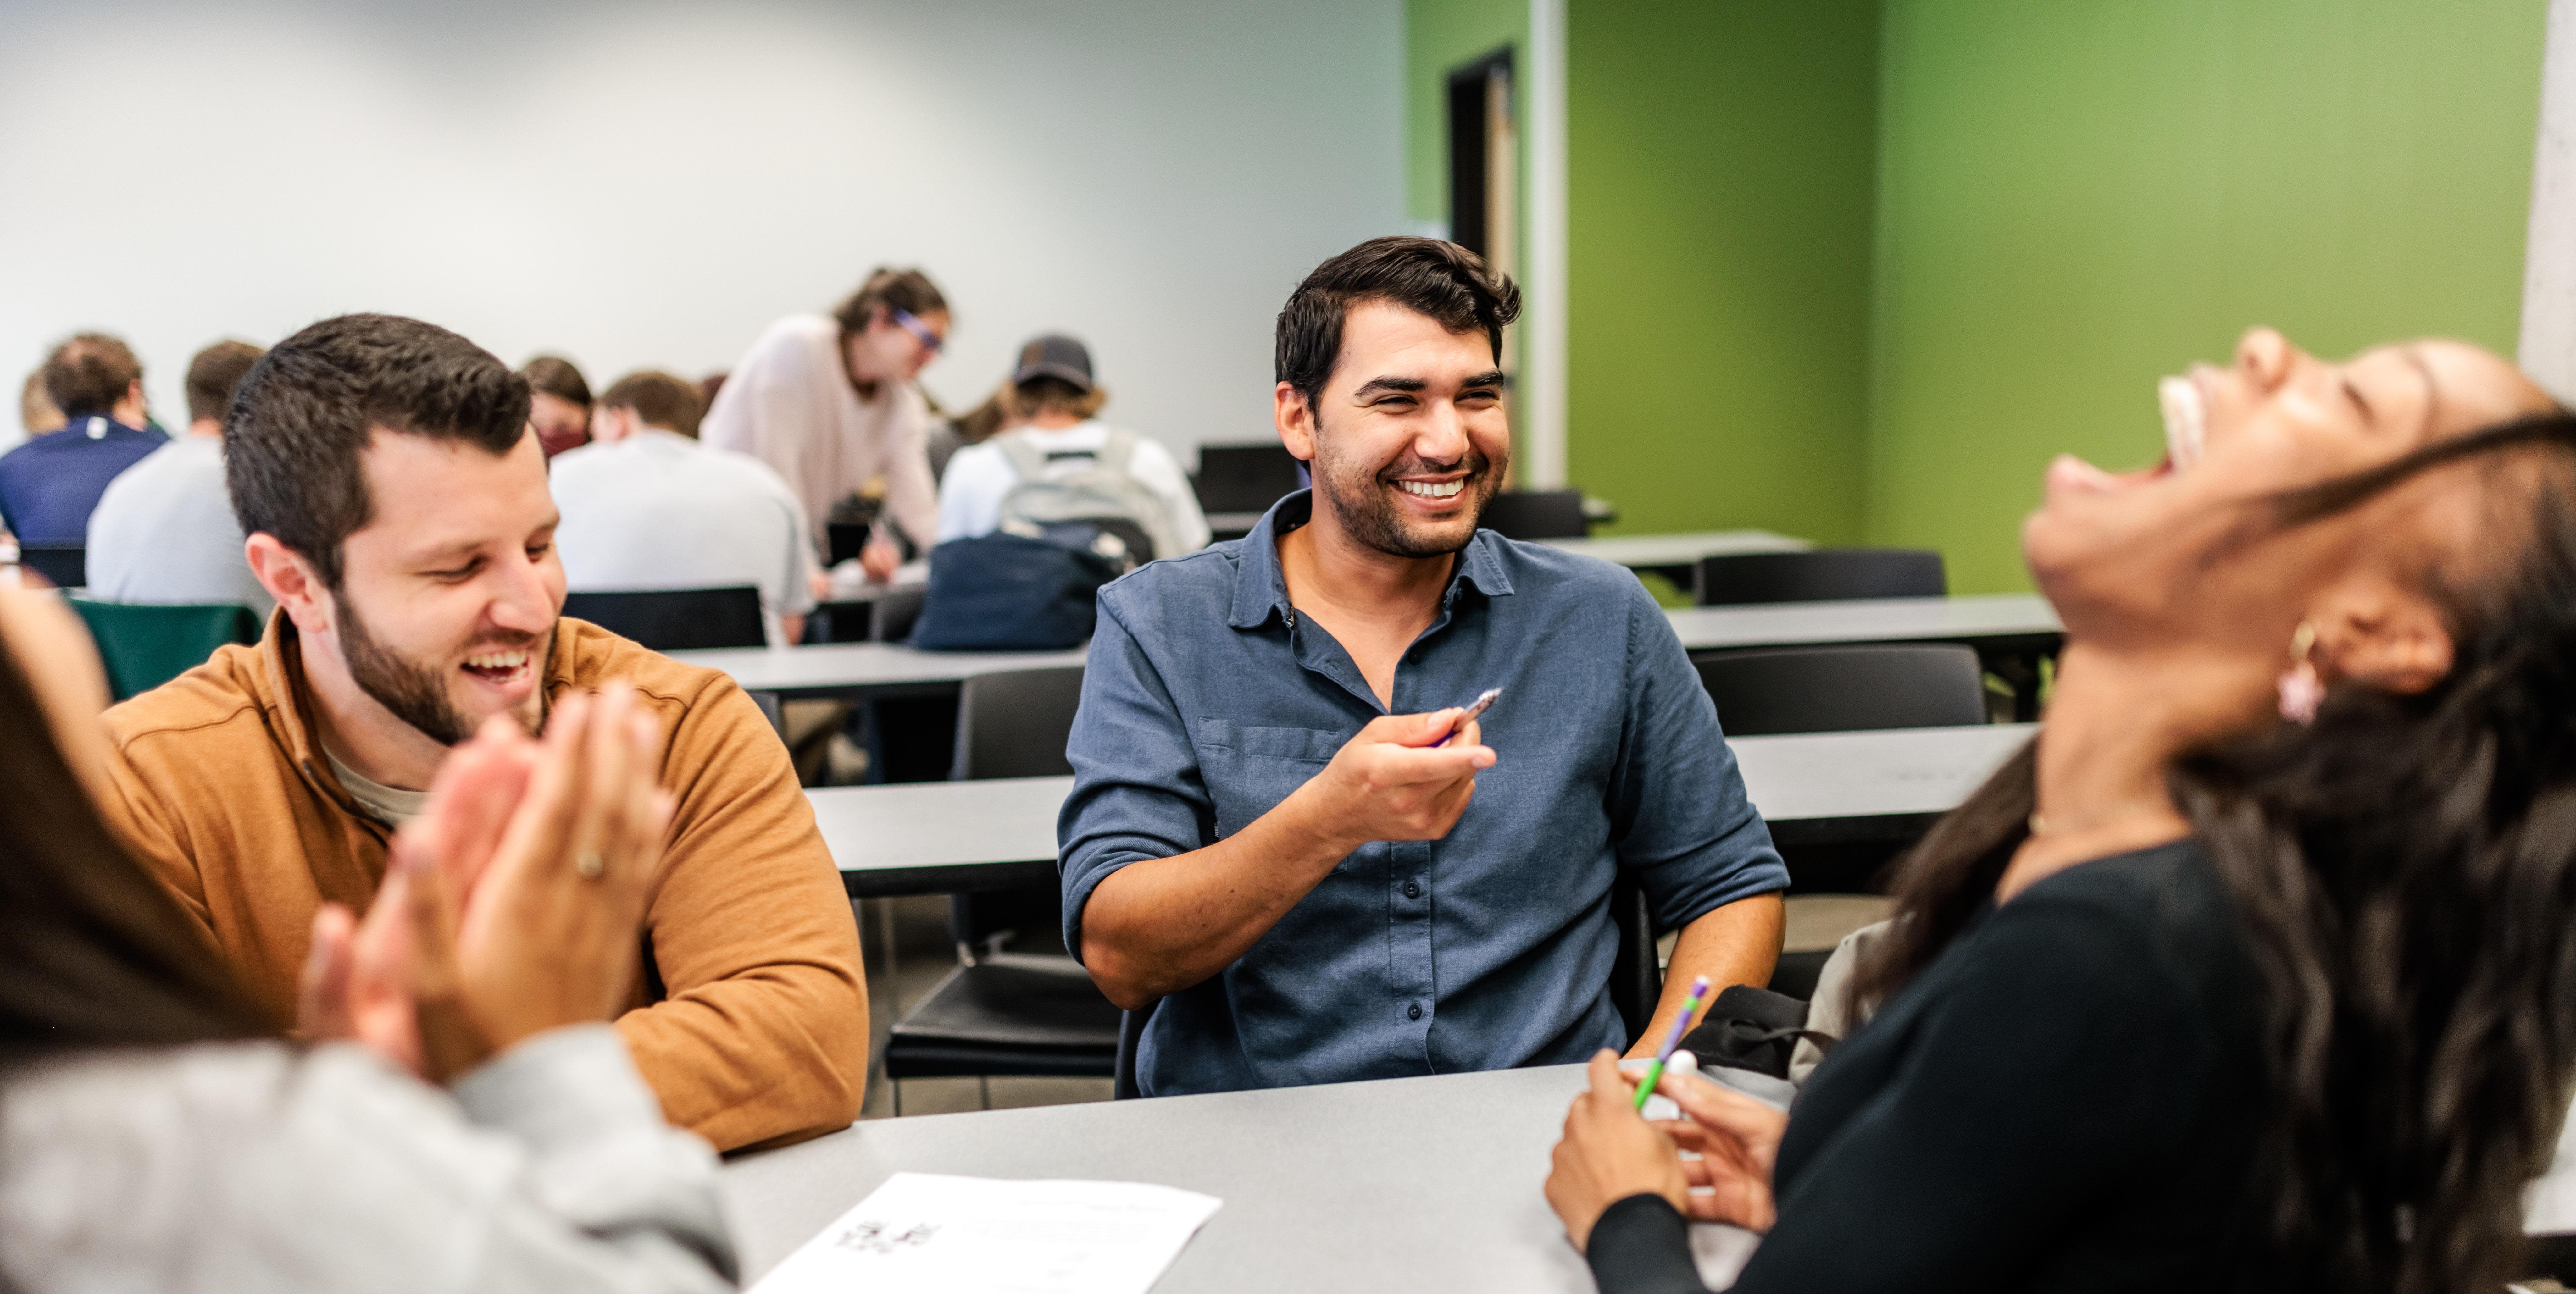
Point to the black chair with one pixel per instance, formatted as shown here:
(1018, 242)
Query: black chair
(67, 565)
(1246, 478)
(675, 619)
(1820, 575)
(1844, 689)
(1636, 982)
(1005, 1012)
(1537, 514)
(894, 614)
(843, 540)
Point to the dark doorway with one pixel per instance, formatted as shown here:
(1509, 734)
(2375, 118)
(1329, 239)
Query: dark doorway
(1484, 152)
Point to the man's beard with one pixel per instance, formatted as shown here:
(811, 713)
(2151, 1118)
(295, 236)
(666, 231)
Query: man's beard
(1359, 501)
(413, 693)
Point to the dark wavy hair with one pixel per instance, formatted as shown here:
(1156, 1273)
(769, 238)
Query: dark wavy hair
(1425, 275)
(2404, 871)
(93, 952)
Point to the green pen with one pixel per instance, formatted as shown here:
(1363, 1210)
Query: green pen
(1681, 1025)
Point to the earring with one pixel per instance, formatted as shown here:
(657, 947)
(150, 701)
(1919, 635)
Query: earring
(2300, 687)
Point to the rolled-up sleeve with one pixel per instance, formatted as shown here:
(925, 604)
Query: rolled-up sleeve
(1137, 788)
(1679, 814)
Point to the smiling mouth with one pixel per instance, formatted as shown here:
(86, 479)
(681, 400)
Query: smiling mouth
(2186, 421)
(1433, 489)
(499, 667)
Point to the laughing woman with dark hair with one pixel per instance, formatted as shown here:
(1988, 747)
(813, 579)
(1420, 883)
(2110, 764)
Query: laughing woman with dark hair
(154, 1135)
(2254, 970)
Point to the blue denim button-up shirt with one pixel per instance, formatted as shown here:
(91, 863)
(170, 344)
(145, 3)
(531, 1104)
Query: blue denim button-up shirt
(1208, 700)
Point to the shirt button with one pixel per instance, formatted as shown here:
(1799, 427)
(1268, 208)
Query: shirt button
(1413, 1012)
(1412, 890)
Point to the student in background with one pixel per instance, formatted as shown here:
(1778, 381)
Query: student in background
(1265, 832)
(973, 427)
(156, 1132)
(645, 506)
(1057, 428)
(558, 404)
(829, 403)
(397, 508)
(164, 531)
(36, 412)
(49, 484)
(2253, 970)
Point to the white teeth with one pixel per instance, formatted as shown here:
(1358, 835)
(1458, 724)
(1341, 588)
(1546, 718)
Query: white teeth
(1428, 490)
(2186, 420)
(498, 660)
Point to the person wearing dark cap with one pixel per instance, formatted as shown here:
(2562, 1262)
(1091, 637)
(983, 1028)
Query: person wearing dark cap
(1055, 405)
(49, 485)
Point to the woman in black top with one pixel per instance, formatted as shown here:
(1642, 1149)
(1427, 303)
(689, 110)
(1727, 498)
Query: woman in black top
(2215, 984)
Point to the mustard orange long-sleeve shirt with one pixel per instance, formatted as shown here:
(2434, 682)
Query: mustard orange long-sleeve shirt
(759, 1030)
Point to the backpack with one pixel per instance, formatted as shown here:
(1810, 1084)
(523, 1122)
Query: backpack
(1017, 592)
(1100, 494)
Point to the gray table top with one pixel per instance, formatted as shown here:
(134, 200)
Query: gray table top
(1678, 549)
(849, 668)
(1409, 1183)
(861, 667)
(892, 839)
(1786, 624)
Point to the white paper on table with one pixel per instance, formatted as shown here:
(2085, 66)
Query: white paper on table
(926, 1233)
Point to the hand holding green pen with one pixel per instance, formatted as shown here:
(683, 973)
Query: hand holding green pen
(1672, 1040)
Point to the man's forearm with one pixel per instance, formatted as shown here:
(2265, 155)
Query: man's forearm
(1159, 926)
(1735, 944)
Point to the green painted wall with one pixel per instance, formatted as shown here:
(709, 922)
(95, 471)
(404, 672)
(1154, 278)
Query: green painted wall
(1440, 35)
(2077, 197)
(1720, 160)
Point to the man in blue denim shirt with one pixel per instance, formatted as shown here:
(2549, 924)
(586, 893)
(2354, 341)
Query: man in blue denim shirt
(1266, 832)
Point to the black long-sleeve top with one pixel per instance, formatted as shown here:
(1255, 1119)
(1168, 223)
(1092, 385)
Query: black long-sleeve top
(2068, 1099)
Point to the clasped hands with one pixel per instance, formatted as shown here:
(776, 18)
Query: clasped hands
(1611, 1152)
(512, 905)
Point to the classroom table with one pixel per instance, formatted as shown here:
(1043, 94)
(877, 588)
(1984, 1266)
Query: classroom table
(2011, 632)
(853, 670)
(1676, 556)
(1814, 789)
(1398, 1184)
(2002, 621)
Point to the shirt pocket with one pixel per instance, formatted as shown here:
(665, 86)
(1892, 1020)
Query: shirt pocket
(1249, 770)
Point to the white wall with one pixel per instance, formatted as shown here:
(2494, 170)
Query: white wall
(636, 185)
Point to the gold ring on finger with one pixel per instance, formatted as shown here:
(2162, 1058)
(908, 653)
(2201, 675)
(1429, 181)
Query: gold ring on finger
(589, 865)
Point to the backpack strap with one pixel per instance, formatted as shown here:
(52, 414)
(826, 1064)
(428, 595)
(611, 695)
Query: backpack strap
(1026, 460)
(1117, 450)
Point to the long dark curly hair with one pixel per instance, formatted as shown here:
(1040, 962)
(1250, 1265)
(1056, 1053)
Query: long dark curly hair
(93, 953)
(2405, 873)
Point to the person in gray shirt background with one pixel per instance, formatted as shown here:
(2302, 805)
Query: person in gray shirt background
(154, 1135)
(164, 531)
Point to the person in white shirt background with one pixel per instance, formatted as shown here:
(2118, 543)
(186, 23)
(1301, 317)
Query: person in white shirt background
(1055, 404)
(164, 531)
(829, 403)
(646, 506)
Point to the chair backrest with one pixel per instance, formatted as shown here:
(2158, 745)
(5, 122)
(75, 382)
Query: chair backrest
(1246, 478)
(1536, 514)
(675, 619)
(1844, 689)
(894, 613)
(1012, 724)
(1015, 723)
(1820, 575)
(1635, 980)
(144, 647)
(843, 540)
(67, 565)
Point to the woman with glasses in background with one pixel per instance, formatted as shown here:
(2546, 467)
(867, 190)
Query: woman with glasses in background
(829, 402)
